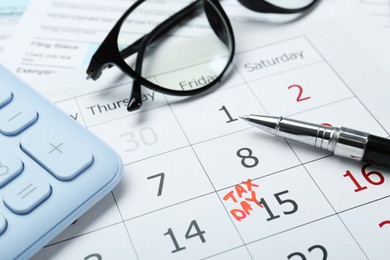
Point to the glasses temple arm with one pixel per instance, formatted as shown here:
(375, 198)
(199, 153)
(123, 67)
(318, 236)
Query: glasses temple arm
(135, 100)
(266, 7)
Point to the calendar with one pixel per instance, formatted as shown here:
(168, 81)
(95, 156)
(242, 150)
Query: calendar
(199, 183)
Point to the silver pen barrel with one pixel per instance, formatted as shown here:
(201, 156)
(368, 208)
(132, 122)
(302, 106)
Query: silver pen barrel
(342, 141)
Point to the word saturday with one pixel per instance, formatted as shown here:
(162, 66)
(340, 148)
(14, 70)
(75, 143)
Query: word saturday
(265, 63)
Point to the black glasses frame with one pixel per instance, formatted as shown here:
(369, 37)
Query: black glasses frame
(108, 53)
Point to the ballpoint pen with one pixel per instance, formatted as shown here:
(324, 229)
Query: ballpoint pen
(345, 142)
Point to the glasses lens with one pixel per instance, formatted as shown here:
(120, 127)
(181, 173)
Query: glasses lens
(180, 46)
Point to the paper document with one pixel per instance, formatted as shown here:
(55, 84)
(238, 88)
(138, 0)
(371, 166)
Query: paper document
(10, 14)
(60, 35)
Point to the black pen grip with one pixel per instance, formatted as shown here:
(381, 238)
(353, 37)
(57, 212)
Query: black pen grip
(377, 151)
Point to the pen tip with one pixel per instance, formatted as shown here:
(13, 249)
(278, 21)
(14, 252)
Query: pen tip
(245, 117)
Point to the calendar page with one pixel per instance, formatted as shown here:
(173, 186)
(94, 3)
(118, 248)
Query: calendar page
(199, 183)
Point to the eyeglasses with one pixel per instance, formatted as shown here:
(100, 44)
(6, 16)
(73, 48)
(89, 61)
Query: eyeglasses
(185, 48)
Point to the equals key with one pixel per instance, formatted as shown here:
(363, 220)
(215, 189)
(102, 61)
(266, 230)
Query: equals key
(27, 194)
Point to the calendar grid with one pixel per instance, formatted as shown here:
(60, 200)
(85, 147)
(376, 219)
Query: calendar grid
(325, 105)
(335, 212)
(82, 117)
(353, 237)
(346, 85)
(246, 84)
(364, 204)
(208, 177)
(123, 223)
(299, 173)
(303, 164)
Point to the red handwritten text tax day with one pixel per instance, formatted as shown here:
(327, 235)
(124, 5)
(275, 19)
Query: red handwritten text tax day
(243, 195)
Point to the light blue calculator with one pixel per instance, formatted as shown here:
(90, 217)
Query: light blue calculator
(52, 169)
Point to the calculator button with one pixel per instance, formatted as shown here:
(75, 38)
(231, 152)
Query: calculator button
(10, 167)
(58, 152)
(14, 118)
(5, 97)
(3, 224)
(27, 194)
